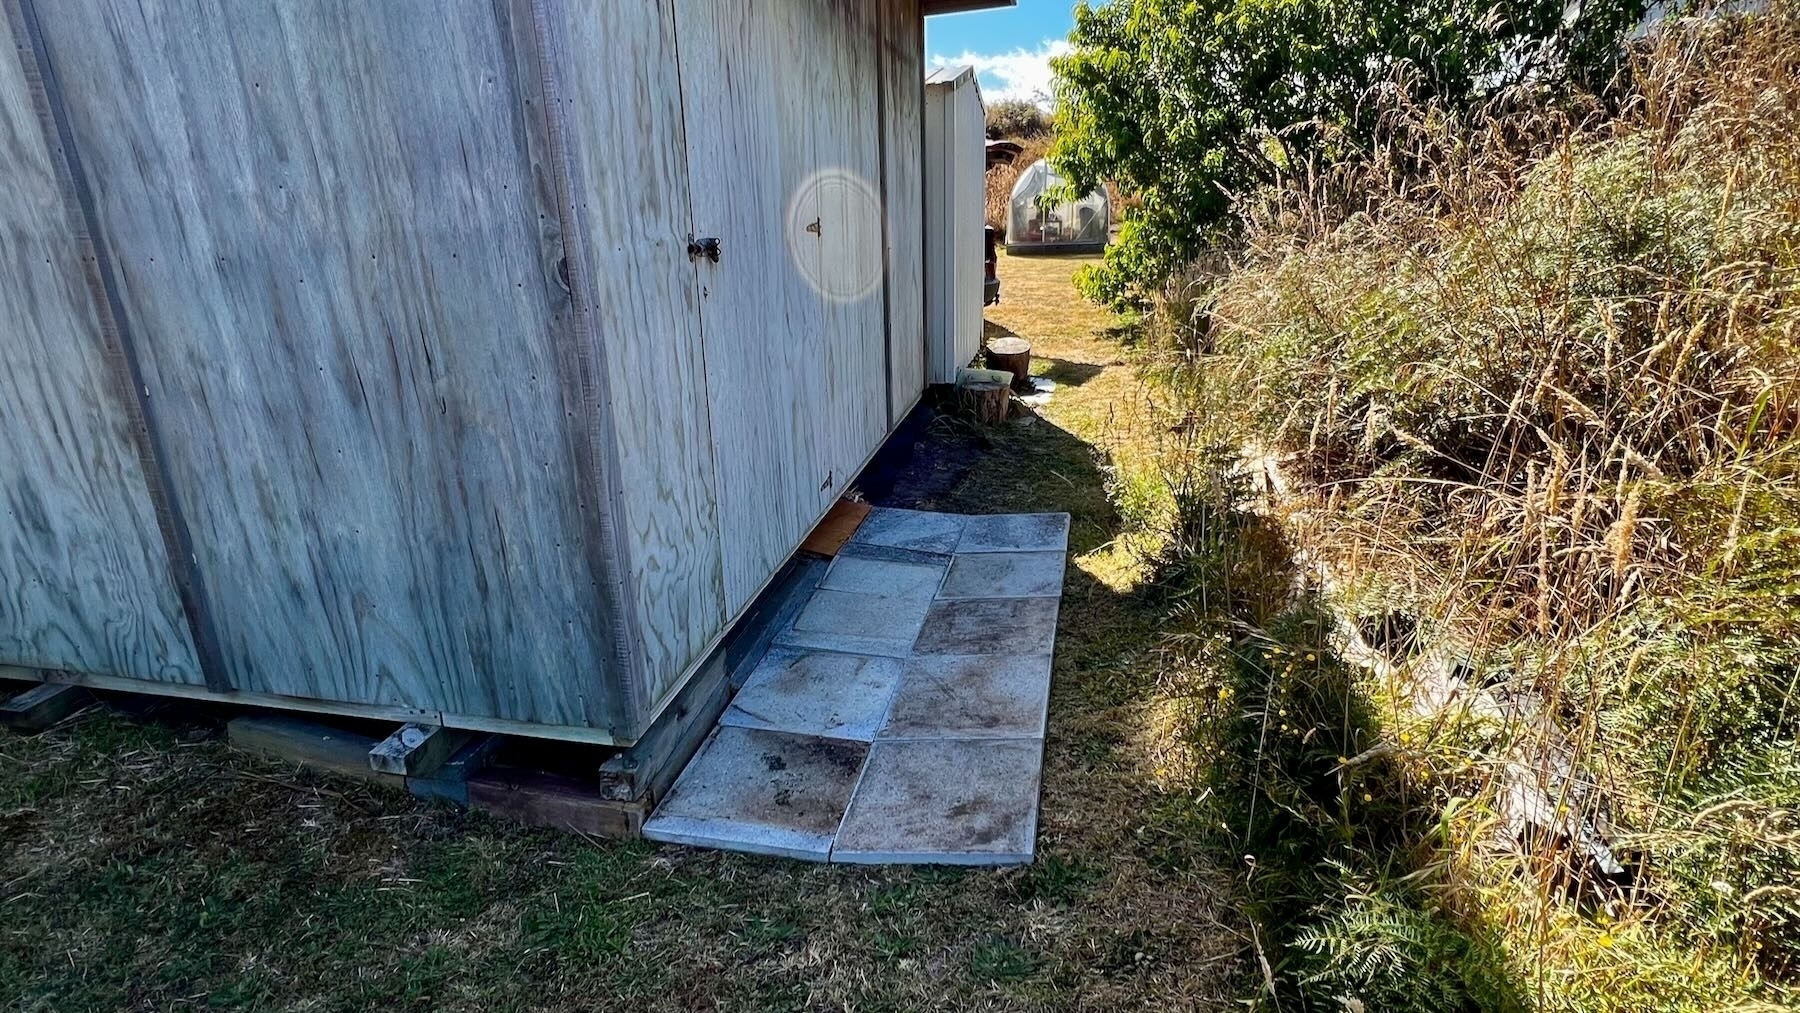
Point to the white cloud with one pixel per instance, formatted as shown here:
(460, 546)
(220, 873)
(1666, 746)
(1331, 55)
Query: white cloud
(1020, 74)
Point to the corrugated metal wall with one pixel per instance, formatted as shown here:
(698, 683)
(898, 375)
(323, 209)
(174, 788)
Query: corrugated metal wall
(955, 156)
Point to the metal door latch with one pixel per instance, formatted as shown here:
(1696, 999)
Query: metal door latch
(707, 247)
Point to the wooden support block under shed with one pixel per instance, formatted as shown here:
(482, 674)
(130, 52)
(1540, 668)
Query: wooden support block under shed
(553, 800)
(450, 782)
(984, 394)
(415, 750)
(41, 706)
(309, 744)
(1011, 355)
(839, 524)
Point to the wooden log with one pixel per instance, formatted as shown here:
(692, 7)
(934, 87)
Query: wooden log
(416, 750)
(308, 744)
(1011, 355)
(41, 706)
(553, 800)
(984, 394)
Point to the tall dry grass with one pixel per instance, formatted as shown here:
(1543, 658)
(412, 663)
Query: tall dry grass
(1000, 178)
(1533, 373)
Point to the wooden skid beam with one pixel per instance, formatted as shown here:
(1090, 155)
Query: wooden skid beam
(41, 706)
(309, 744)
(416, 750)
(647, 769)
(551, 800)
(772, 611)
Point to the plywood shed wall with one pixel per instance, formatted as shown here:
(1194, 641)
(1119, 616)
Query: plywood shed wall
(955, 213)
(354, 358)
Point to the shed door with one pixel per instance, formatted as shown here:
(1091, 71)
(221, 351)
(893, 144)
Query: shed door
(784, 160)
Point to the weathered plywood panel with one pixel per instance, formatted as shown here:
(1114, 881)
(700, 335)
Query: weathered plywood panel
(846, 139)
(84, 578)
(785, 168)
(629, 160)
(748, 101)
(902, 76)
(330, 249)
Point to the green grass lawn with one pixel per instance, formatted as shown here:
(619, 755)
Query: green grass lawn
(147, 866)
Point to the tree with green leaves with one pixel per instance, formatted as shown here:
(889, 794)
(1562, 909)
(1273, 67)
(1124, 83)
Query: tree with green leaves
(1190, 104)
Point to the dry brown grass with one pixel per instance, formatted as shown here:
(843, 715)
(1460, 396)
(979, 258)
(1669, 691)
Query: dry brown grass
(1000, 179)
(1536, 370)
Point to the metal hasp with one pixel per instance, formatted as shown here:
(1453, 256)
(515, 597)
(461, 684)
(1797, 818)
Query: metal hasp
(707, 247)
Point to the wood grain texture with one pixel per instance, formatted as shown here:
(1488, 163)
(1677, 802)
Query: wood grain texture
(783, 164)
(628, 160)
(846, 136)
(329, 250)
(542, 799)
(902, 70)
(84, 578)
(763, 326)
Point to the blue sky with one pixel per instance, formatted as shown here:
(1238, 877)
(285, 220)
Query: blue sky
(1011, 48)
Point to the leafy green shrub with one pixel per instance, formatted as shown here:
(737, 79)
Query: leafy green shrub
(1016, 119)
(1192, 104)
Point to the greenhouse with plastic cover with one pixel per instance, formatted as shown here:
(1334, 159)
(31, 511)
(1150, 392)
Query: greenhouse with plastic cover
(1068, 226)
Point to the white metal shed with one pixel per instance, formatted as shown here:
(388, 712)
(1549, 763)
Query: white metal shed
(955, 211)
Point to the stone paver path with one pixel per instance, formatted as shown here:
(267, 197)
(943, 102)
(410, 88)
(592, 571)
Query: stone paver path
(900, 717)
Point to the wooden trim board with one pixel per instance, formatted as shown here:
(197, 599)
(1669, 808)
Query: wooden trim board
(375, 712)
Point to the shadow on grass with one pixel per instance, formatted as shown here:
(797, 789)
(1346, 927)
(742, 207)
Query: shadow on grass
(1063, 371)
(1335, 852)
(1070, 374)
(1339, 854)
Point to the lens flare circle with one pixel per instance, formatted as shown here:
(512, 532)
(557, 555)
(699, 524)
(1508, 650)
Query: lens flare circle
(834, 235)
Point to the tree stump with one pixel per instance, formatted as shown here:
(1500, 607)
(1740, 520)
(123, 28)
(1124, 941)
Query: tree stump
(984, 394)
(1012, 355)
